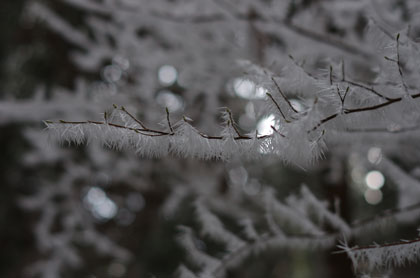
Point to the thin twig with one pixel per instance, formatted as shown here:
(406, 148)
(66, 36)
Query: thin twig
(390, 59)
(278, 107)
(169, 121)
(339, 95)
(399, 64)
(399, 243)
(362, 109)
(303, 69)
(276, 131)
(370, 89)
(232, 122)
(331, 75)
(345, 95)
(133, 118)
(283, 95)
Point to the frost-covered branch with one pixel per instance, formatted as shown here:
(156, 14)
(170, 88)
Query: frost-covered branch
(306, 104)
(304, 211)
(129, 135)
(388, 255)
(238, 249)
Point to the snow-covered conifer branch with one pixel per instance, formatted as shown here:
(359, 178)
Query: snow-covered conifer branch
(352, 98)
(298, 210)
(214, 228)
(285, 22)
(388, 255)
(58, 247)
(398, 215)
(331, 104)
(322, 213)
(205, 262)
(131, 135)
(288, 219)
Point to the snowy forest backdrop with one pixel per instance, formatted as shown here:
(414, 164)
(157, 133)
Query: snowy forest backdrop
(183, 138)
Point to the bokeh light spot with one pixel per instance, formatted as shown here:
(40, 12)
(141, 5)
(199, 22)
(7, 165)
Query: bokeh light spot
(167, 75)
(374, 179)
(373, 196)
(264, 125)
(374, 155)
(99, 204)
(168, 99)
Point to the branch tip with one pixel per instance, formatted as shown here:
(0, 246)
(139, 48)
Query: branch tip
(169, 121)
(283, 95)
(331, 73)
(278, 106)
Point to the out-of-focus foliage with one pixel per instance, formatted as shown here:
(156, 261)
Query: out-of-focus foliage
(306, 84)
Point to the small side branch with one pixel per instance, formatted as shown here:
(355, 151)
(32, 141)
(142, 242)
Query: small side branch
(284, 96)
(169, 121)
(331, 75)
(278, 107)
(399, 243)
(276, 131)
(370, 89)
(132, 117)
(399, 64)
(342, 97)
(363, 109)
(301, 66)
(232, 122)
